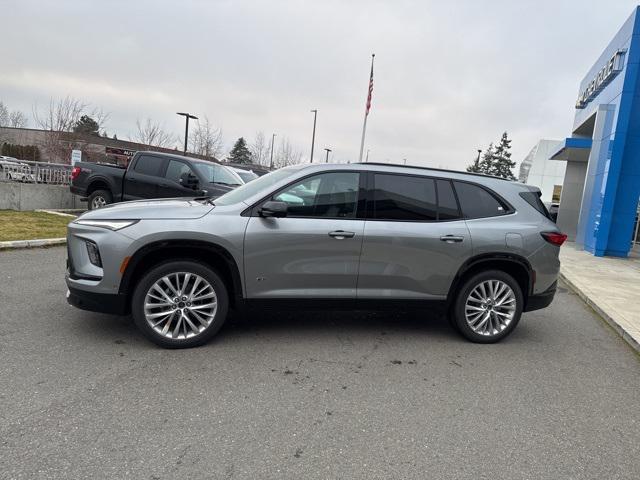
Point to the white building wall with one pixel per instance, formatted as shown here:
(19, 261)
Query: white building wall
(536, 169)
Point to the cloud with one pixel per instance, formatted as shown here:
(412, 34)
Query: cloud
(450, 76)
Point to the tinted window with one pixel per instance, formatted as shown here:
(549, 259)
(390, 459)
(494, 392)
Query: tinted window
(476, 202)
(400, 197)
(533, 199)
(177, 171)
(215, 173)
(332, 195)
(447, 205)
(149, 165)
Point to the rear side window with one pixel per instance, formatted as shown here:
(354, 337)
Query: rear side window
(533, 199)
(476, 202)
(148, 165)
(400, 197)
(447, 204)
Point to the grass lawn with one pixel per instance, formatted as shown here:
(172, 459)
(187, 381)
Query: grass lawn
(31, 225)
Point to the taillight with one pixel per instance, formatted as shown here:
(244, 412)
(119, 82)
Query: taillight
(554, 238)
(75, 172)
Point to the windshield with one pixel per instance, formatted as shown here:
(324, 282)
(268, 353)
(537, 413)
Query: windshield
(246, 176)
(217, 174)
(248, 190)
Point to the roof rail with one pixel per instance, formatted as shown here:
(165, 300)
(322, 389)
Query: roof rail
(432, 168)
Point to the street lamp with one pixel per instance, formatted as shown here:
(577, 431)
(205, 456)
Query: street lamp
(367, 158)
(187, 116)
(327, 159)
(273, 138)
(313, 136)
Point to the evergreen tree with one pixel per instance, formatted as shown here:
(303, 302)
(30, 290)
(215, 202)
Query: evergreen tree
(115, 137)
(501, 164)
(240, 153)
(87, 125)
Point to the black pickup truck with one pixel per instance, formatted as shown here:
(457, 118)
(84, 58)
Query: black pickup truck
(151, 175)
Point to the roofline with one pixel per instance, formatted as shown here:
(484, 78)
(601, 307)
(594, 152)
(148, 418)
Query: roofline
(433, 169)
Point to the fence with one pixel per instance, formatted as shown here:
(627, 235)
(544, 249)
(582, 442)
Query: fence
(35, 172)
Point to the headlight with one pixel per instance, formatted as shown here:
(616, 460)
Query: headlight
(110, 224)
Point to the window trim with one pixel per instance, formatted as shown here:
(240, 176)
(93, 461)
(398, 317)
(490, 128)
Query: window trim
(509, 208)
(371, 205)
(252, 211)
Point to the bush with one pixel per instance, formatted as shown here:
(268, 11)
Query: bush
(21, 152)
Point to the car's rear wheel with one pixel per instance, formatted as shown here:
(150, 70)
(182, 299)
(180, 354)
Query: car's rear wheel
(488, 306)
(180, 304)
(99, 198)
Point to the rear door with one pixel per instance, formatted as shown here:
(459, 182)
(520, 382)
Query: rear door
(313, 252)
(415, 239)
(142, 180)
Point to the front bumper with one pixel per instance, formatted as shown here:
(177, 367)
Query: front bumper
(541, 300)
(115, 304)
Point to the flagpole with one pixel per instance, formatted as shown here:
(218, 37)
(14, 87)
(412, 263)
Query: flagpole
(366, 111)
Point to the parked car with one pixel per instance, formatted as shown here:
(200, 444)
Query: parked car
(151, 175)
(245, 175)
(362, 234)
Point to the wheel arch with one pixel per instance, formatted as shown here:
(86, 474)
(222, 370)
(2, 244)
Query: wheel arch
(99, 183)
(211, 254)
(515, 265)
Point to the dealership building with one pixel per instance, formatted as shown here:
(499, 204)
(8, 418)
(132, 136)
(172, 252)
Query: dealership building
(601, 186)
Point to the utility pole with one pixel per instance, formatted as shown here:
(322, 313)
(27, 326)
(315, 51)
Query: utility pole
(313, 136)
(187, 116)
(327, 159)
(366, 110)
(273, 138)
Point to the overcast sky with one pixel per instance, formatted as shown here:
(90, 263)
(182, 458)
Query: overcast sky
(450, 76)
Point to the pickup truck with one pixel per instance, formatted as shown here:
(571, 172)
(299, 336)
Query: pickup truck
(151, 175)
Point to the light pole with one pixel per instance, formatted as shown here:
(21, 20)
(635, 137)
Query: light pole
(478, 159)
(273, 139)
(313, 136)
(327, 159)
(187, 116)
(367, 157)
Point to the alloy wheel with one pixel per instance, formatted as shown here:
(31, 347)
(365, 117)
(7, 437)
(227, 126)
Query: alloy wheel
(180, 305)
(490, 307)
(98, 202)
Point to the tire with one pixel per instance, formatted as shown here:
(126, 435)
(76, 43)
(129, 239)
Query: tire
(99, 199)
(493, 317)
(172, 331)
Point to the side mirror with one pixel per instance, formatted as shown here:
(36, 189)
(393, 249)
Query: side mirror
(273, 209)
(189, 180)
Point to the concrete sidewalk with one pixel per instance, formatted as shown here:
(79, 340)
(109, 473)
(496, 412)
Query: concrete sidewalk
(611, 286)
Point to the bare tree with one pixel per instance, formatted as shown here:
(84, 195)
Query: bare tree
(4, 115)
(206, 139)
(260, 150)
(151, 133)
(17, 119)
(286, 154)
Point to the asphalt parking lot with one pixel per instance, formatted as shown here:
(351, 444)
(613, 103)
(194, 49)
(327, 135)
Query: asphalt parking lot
(308, 394)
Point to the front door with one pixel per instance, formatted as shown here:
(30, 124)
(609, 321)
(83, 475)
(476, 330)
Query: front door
(142, 181)
(415, 239)
(314, 250)
(176, 181)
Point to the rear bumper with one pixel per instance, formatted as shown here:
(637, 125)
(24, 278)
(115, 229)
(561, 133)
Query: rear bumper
(82, 192)
(541, 300)
(115, 304)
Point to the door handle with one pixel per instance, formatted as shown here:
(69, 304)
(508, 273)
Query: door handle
(341, 234)
(451, 238)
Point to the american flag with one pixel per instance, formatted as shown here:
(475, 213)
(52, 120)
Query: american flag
(370, 88)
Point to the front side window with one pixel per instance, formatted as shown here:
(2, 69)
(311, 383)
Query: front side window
(404, 198)
(149, 165)
(329, 195)
(178, 171)
(476, 202)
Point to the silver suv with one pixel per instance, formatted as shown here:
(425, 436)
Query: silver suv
(357, 234)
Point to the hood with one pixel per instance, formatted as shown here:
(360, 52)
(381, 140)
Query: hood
(158, 209)
(222, 187)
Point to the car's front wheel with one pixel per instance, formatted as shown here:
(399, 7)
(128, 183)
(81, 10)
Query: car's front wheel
(488, 306)
(180, 304)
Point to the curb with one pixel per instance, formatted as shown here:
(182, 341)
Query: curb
(632, 342)
(53, 212)
(43, 242)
